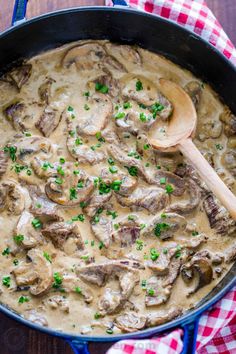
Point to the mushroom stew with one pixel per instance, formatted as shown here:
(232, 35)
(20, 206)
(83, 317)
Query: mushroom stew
(100, 233)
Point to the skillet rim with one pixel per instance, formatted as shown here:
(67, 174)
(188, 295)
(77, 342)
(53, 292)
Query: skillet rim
(190, 315)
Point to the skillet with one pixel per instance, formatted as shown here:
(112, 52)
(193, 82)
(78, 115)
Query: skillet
(124, 25)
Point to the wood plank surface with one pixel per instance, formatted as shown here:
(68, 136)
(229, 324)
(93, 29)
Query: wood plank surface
(14, 337)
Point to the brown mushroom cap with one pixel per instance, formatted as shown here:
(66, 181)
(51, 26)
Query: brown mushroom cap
(200, 267)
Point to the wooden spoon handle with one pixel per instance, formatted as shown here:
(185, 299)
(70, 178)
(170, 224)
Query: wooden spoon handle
(208, 175)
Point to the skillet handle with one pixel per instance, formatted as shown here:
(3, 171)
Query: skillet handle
(19, 12)
(119, 3)
(79, 347)
(190, 337)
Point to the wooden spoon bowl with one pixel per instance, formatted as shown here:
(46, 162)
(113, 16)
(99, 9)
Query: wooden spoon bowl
(179, 136)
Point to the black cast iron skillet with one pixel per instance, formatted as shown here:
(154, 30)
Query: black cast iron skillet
(124, 25)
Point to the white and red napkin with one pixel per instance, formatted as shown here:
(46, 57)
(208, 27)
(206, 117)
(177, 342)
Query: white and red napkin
(217, 327)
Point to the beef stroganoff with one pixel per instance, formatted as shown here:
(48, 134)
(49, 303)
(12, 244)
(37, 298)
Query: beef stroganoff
(100, 233)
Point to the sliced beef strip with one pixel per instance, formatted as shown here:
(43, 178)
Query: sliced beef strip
(96, 118)
(112, 301)
(20, 75)
(152, 198)
(164, 226)
(120, 155)
(99, 273)
(108, 80)
(61, 233)
(156, 293)
(12, 198)
(16, 114)
(127, 233)
(128, 183)
(192, 203)
(103, 230)
(32, 237)
(218, 217)
(4, 161)
(48, 121)
(131, 123)
(96, 201)
(44, 90)
(148, 95)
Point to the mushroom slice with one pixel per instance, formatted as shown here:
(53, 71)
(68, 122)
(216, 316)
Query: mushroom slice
(161, 178)
(64, 236)
(103, 230)
(32, 236)
(131, 123)
(86, 56)
(16, 114)
(110, 302)
(151, 198)
(193, 202)
(164, 226)
(80, 151)
(44, 90)
(12, 198)
(20, 75)
(71, 189)
(43, 168)
(199, 267)
(194, 90)
(27, 147)
(160, 317)
(42, 207)
(3, 163)
(124, 53)
(156, 293)
(37, 273)
(144, 91)
(96, 118)
(130, 322)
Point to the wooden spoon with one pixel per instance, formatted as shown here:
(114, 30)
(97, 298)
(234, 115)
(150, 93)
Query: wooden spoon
(179, 137)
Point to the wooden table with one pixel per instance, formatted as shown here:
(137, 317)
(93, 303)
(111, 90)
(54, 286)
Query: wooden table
(18, 339)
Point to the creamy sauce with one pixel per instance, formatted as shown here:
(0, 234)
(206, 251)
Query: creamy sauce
(73, 84)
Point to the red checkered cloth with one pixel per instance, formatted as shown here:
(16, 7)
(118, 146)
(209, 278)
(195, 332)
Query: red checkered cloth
(193, 15)
(217, 327)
